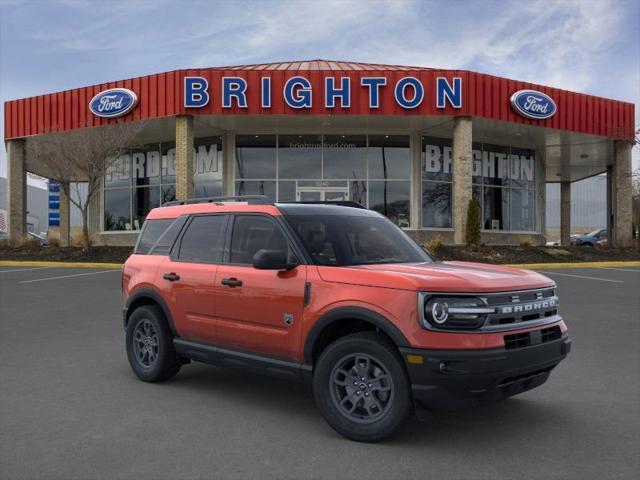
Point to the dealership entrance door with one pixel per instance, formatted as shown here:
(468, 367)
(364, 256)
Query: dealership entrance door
(322, 191)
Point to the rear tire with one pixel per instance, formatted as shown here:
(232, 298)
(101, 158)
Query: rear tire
(150, 345)
(361, 387)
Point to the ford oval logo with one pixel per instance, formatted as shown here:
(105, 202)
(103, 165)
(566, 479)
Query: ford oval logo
(114, 102)
(533, 104)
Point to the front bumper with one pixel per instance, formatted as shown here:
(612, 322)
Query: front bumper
(454, 379)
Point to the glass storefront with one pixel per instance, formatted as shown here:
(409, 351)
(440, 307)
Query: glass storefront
(144, 178)
(373, 170)
(503, 185)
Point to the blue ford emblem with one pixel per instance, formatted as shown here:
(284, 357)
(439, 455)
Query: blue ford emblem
(114, 102)
(533, 104)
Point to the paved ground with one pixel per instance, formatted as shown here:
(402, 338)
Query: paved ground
(71, 408)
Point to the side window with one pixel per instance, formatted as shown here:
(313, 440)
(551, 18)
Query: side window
(167, 239)
(203, 241)
(252, 233)
(151, 231)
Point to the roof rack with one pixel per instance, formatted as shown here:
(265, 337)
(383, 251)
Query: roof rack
(341, 203)
(250, 199)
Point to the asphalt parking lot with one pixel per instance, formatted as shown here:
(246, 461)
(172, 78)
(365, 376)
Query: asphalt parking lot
(70, 407)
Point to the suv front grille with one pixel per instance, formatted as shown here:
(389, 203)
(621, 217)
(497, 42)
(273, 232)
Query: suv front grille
(517, 307)
(520, 340)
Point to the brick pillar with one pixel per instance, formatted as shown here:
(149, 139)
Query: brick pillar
(16, 191)
(416, 180)
(565, 213)
(184, 157)
(621, 184)
(228, 164)
(65, 217)
(462, 175)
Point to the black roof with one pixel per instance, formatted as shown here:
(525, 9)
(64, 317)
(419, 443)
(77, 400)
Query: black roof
(324, 209)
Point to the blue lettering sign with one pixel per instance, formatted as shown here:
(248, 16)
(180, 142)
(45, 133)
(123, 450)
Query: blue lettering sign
(234, 87)
(401, 94)
(196, 93)
(297, 92)
(331, 92)
(266, 92)
(444, 92)
(373, 84)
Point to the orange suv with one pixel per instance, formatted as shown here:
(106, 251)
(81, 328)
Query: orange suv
(336, 295)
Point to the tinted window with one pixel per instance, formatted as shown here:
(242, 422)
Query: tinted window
(252, 233)
(151, 232)
(167, 239)
(203, 241)
(355, 240)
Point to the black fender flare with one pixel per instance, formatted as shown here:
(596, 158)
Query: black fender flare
(351, 313)
(149, 293)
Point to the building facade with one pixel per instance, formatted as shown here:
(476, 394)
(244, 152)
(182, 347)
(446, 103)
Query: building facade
(415, 144)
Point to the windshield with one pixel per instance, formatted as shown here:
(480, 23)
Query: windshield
(594, 233)
(342, 240)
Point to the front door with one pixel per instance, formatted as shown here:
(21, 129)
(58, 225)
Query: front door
(259, 310)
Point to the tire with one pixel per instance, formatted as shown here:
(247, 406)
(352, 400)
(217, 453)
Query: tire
(384, 399)
(150, 345)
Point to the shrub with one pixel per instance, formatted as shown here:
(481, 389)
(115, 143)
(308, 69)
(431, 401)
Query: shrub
(472, 233)
(525, 243)
(434, 244)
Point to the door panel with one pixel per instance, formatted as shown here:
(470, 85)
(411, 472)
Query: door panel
(264, 314)
(259, 310)
(188, 277)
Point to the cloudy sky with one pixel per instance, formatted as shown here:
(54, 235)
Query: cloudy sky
(583, 45)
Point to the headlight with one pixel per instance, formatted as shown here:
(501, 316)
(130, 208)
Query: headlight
(455, 312)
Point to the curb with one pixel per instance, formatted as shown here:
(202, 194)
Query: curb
(531, 266)
(549, 266)
(28, 263)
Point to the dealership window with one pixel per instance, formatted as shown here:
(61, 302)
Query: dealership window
(503, 185)
(373, 170)
(436, 182)
(143, 177)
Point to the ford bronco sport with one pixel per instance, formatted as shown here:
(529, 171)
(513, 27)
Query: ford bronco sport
(339, 296)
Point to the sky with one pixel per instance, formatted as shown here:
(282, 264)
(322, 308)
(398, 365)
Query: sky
(590, 46)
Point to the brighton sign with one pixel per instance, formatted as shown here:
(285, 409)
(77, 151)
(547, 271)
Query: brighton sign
(408, 92)
(113, 103)
(533, 104)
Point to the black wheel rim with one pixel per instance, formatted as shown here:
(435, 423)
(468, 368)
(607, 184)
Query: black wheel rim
(145, 343)
(361, 388)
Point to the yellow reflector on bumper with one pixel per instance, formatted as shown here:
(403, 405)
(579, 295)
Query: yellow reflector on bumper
(415, 359)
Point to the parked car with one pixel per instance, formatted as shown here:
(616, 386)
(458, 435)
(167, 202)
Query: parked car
(338, 296)
(590, 239)
(40, 239)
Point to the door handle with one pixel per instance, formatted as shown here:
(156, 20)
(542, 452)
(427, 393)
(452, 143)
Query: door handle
(231, 282)
(172, 277)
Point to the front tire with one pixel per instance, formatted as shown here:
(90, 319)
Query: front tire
(150, 345)
(361, 387)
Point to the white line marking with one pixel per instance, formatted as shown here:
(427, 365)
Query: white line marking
(621, 269)
(67, 276)
(582, 276)
(24, 269)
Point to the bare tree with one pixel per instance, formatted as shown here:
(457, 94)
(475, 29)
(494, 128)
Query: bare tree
(82, 156)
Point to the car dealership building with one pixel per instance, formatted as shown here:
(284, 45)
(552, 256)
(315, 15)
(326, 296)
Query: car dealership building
(416, 144)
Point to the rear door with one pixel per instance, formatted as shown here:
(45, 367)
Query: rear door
(187, 277)
(259, 310)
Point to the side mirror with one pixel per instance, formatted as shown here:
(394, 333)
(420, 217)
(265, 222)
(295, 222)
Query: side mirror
(272, 260)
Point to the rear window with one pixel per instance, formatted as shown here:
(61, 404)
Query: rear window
(151, 232)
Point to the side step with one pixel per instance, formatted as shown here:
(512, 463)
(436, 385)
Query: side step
(233, 358)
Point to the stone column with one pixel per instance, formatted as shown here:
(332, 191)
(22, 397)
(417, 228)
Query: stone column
(462, 175)
(65, 217)
(16, 191)
(416, 180)
(228, 164)
(565, 213)
(184, 157)
(621, 184)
